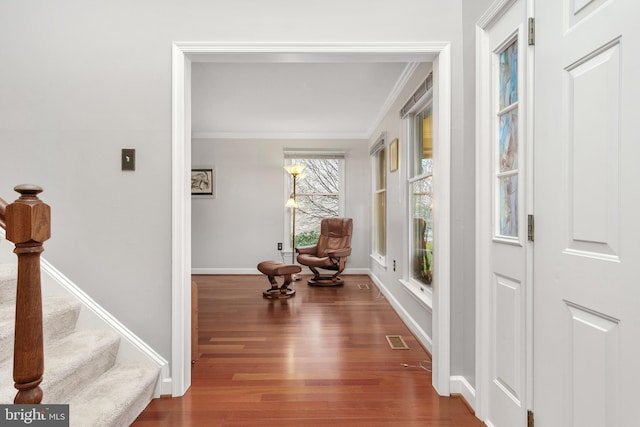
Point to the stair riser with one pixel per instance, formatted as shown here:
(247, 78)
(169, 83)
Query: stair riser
(70, 364)
(95, 408)
(59, 319)
(60, 388)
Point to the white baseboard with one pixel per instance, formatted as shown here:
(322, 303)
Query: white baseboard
(356, 271)
(460, 385)
(230, 271)
(411, 323)
(245, 271)
(165, 387)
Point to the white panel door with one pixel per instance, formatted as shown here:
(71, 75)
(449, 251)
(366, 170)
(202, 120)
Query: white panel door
(504, 181)
(587, 204)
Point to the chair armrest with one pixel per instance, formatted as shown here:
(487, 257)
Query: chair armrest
(339, 253)
(307, 249)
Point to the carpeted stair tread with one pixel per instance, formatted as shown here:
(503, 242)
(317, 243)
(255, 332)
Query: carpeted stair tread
(8, 277)
(71, 363)
(79, 365)
(59, 316)
(116, 398)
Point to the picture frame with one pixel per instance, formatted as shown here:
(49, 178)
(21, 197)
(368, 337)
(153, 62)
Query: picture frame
(393, 155)
(203, 182)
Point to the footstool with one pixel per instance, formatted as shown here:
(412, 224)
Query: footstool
(272, 269)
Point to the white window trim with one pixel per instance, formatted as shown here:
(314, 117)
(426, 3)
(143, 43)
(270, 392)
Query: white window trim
(420, 292)
(411, 285)
(309, 154)
(374, 149)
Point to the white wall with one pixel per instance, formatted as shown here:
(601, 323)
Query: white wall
(397, 242)
(80, 80)
(463, 291)
(242, 225)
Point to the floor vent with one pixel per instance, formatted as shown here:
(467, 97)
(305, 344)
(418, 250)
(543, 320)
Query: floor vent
(363, 286)
(396, 342)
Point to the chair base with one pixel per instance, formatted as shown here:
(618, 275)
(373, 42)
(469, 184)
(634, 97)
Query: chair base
(278, 293)
(272, 269)
(325, 281)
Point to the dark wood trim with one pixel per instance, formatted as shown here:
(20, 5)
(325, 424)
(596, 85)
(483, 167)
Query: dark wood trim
(3, 207)
(28, 222)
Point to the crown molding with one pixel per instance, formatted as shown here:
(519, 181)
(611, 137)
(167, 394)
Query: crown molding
(278, 135)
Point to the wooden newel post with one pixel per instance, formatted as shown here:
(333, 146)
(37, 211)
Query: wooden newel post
(28, 222)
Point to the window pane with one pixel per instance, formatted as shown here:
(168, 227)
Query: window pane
(421, 200)
(311, 210)
(509, 205)
(380, 195)
(317, 195)
(423, 143)
(422, 230)
(508, 150)
(319, 176)
(381, 168)
(509, 75)
(380, 224)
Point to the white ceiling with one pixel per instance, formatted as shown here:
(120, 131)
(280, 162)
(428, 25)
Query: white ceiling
(293, 99)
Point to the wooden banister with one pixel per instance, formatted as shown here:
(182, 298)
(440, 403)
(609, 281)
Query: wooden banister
(3, 207)
(28, 225)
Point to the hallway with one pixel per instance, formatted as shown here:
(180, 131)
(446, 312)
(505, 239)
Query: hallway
(318, 359)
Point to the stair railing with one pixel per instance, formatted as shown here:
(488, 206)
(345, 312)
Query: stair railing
(27, 222)
(3, 207)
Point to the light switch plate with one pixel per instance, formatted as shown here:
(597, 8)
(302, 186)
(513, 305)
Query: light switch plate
(128, 159)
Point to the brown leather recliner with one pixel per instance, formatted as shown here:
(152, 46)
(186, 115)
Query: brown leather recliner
(330, 253)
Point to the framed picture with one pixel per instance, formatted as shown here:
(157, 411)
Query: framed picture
(393, 155)
(203, 182)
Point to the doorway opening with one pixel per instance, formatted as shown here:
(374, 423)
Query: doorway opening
(184, 54)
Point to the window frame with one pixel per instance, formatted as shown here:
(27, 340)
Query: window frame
(378, 153)
(289, 158)
(425, 291)
(501, 111)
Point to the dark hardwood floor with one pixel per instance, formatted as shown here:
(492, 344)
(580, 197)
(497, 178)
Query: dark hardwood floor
(318, 359)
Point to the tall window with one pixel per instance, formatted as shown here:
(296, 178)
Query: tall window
(318, 194)
(421, 196)
(379, 157)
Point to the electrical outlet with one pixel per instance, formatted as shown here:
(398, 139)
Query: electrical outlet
(279, 246)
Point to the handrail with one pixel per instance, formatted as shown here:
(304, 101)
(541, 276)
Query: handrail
(28, 224)
(3, 207)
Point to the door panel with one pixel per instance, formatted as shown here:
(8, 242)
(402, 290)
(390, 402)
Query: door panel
(508, 324)
(594, 340)
(592, 90)
(587, 201)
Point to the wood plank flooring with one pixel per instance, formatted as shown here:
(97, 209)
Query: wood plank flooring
(319, 358)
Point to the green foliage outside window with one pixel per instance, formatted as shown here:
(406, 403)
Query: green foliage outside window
(307, 238)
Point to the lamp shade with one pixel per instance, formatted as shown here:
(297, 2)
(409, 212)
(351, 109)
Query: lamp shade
(294, 169)
(291, 203)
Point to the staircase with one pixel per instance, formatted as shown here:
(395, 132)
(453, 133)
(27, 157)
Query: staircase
(84, 362)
